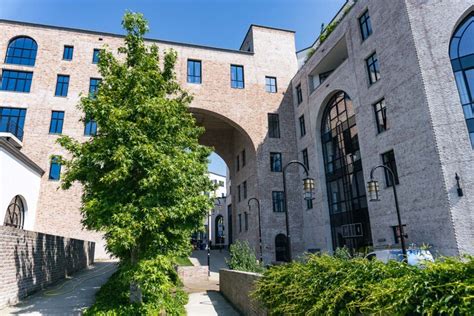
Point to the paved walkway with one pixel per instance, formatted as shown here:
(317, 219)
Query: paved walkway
(69, 297)
(204, 296)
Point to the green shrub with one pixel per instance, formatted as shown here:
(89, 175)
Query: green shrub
(326, 285)
(242, 258)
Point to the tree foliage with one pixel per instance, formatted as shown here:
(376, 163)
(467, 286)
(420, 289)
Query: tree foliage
(242, 258)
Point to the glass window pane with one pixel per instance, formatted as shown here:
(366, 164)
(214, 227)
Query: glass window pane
(466, 45)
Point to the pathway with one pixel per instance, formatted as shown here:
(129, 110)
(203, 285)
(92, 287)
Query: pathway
(69, 297)
(204, 297)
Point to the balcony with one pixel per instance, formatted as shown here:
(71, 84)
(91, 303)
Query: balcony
(12, 132)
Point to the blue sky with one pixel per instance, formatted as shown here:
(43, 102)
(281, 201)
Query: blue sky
(220, 23)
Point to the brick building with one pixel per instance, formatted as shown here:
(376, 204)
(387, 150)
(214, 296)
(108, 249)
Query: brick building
(380, 89)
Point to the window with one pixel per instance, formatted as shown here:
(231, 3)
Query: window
(237, 76)
(281, 248)
(309, 204)
(302, 126)
(381, 116)
(273, 125)
(396, 233)
(18, 81)
(62, 85)
(246, 221)
(93, 86)
(68, 52)
(15, 215)
(194, 71)
(240, 223)
(278, 201)
(90, 128)
(244, 159)
(462, 62)
(21, 51)
(55, 169)
(95, 56)
(57, 120)
(237, 162)
(245, 189)
(275, 162)
(221, 183)
(238, 193)
(373, 68)
(365, 25)
(12, 121)
(271, 84)
(388, 160)
(305, 157)
(299, 94)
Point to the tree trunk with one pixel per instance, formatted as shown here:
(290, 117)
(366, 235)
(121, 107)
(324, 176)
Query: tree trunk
(135, 291)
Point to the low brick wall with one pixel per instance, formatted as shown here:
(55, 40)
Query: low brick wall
(236, 287)
(192, 273)
(29, 261)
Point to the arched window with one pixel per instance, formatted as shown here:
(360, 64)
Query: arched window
(349, 216)
(15, 215)
(21, 51)
(219, 229)
(281, 248)
(462, 60)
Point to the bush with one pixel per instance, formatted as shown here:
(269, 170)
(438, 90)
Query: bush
(242, 258)
(326, 285)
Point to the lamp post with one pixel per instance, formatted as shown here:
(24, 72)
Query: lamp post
(209, 237)
(308, 186)
(373, 190)
(259, 226)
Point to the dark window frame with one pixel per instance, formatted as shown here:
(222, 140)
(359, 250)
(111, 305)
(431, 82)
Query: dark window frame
(273, 125)
(373, 68)
(271, 84)
(278, 201)
(302, 126)
(380, 110)
(62, 85)
(52, 168)
(299, 94)
(90, 127)
(68, 52)
(274, 167)
(16, 80)
(95, 55)
(237, 161)
(193, 77)
(18, 54)
(246, 221)
(365, 25)
(244, 187)
(304, 153)
(237, 83)
(12, 120)
(57, 122)
(240, 223)
(389, 160)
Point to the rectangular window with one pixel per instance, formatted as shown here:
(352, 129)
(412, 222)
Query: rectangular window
(271, 84)
(240, 223)
(275, 162)
(309, 204)
(246, 221)
(273, 125)
(93, 86)
(62, 85)
(238, 193)
(237, 162)
(278, 201)
(55, 169)
(12, 121)
(373, 68)
(57, 120)
(90, 128)
(19, 81)
(68, 52)
(388, 160)
(302, 126)
(381, 116)
(194, 71)
(237, 76)
(95, 56)
(299, 94)
(305, 157)
(244, 159)
(245, 189)
(365, 25)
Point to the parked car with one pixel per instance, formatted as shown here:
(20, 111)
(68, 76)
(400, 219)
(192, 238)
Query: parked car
(414, 256)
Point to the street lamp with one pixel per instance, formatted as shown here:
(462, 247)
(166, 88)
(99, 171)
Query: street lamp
(259, 227)
(209, 237)
(308, 187)
(373, 190)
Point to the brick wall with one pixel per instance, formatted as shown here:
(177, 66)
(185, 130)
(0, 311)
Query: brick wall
(29, 261)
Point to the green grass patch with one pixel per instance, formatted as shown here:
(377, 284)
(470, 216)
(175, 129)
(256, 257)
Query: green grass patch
(183, 261)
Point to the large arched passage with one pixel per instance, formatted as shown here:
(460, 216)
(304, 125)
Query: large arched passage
(348, 211)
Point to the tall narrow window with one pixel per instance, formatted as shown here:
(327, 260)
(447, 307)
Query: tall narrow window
(95, 56)
(244, 158)
(239, 193)
(271, 84)
(18, 81)
(57, 120)
(245, 189)
(12, 121)
(240, 223)
(373, 69)
(62, 86)
(275, 162)
(194, 71)
(365, 25)
(237, 163)
(381, 116)
(278, 201)
(299, 94)
(305, 157)
(273, 125)
(462, 61)
(388, 160)
(93, 86)
(237, 76)
(309, 204)
(90, 128)
(246, 221)
(68, 52)
(302, 126)
(21, 51)
(55, 169)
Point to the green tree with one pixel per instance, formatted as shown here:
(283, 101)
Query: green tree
(144, 173)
